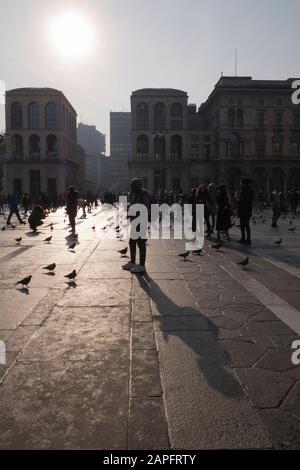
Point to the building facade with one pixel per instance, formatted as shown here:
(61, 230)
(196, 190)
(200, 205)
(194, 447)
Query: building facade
(41, 152)
(93, 142)
(120, 151)
(246, 128)
(160, 134)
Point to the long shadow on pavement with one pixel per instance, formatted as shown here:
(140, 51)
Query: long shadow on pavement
(211, 360)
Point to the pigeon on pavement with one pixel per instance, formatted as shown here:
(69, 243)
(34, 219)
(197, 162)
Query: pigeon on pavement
(25, 281)
(48, 239)
(245, 262)
(217, 246)
(50, 267)
(184, 255)
(71, 275)
(123, 252)
(279, 242)
(18, 240)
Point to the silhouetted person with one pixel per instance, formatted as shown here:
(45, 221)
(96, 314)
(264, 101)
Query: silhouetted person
(223, 213)
(276, 207)
(138, 195)
(245, 202)
(13, 208)
(72, 200)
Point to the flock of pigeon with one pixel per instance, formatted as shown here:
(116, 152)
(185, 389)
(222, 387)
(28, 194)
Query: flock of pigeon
(51, 267)
(118, 229)
(246, 261)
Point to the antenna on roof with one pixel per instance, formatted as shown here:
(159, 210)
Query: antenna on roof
(236, 62)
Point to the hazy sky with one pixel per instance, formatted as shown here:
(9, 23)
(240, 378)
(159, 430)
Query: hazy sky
(147, 43)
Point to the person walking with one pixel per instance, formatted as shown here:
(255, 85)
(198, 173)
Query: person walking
(245, 202)
(203, 198)
(13, 203)
(223, 212)
(212, 205)
(72, 200)
(276, 207)
(138, 195)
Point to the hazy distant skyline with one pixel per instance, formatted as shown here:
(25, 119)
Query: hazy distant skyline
(147, 43)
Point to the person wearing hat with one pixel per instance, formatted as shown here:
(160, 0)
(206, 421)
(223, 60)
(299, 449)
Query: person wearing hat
(138, 195)
(245, 210)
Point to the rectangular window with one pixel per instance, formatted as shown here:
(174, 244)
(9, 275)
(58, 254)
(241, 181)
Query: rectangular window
(278, 119)
(277, 149)
(260, 149)
(297, 120)
(260, 119)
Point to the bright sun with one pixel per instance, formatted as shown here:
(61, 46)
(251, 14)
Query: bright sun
(72, 35)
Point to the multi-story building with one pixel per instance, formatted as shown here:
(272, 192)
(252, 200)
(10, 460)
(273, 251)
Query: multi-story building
(246, 128)
(42, 152)
(254, 131)
(92, 140)
(120, 150)
(160, 134)
(93, 143)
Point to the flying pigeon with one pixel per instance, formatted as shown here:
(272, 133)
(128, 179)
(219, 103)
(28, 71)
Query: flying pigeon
(25, 281)
(50, 267)
(279, 242)
(292, 229)
(72, 275)
(71, 247)
(18, 240)
(123, 252)
(48, 239)
(93, 227)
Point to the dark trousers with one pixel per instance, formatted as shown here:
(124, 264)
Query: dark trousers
(72, 217)
(16, 212)
(276, 215)
(141, 243)
(245, 228)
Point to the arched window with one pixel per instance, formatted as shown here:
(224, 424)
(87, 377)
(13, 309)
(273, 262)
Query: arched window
(51, 117)
(34, 146)
(159, 117)
(231, 117)
(142, 147)
(240, 118)
(176, 148)
(16, 116)
(176, 116)
(142, 116)
(159, 148)
(33, 116)
(17, 146)
(51, 142)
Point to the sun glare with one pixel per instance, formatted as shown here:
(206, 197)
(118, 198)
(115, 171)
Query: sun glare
(72, 35)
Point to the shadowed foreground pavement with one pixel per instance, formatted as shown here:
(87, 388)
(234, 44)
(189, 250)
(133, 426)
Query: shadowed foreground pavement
(193, 355)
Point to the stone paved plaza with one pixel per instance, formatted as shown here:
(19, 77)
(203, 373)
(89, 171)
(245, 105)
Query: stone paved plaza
(194, 355)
